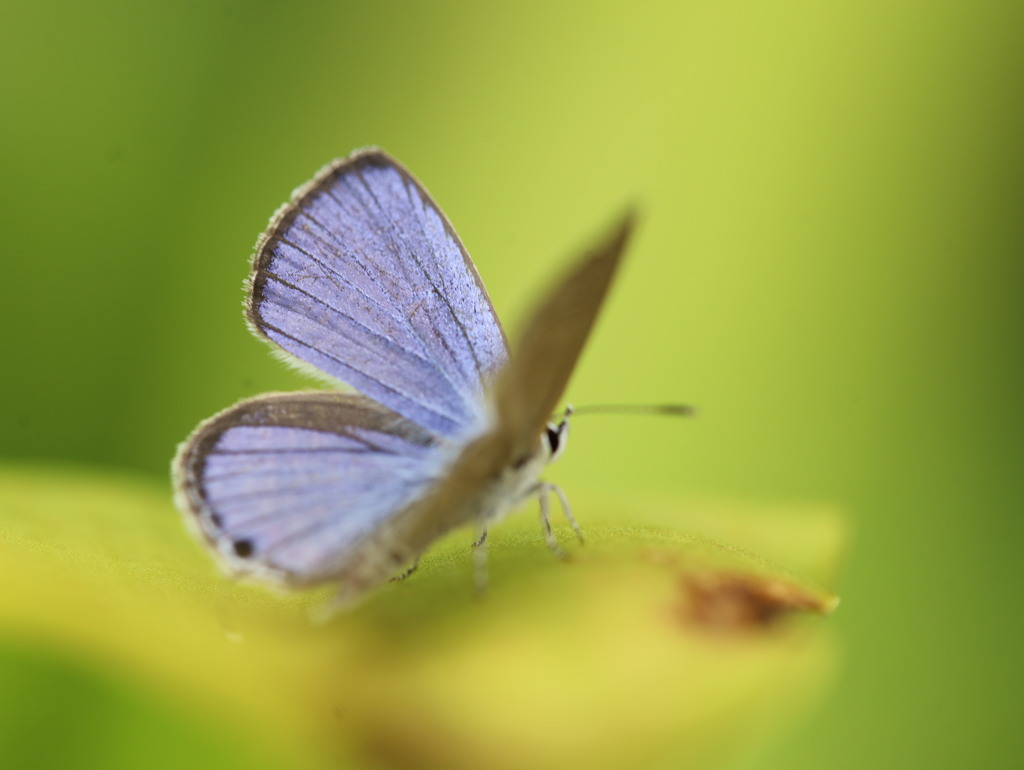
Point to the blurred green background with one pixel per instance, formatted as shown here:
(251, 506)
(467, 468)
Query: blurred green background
(829, 265)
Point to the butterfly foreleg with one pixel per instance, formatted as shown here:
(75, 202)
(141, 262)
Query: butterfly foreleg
(542, 491)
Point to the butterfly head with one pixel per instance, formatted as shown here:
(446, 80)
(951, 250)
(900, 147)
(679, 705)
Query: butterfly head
(557, 435)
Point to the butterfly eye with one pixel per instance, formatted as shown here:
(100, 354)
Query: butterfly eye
(557, 434)
(553, 439)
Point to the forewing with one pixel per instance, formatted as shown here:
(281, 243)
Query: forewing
(287, 486)
(526, 391)
(529, 388)
(362, 277)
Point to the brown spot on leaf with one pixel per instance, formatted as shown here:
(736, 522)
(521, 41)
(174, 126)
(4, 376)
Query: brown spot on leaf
(732, 601)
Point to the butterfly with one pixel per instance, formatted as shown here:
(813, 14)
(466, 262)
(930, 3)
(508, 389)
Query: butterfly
(361, 279)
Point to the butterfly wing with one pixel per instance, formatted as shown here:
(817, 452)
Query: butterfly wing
(526, 391)
(362, 277)
(529, 388)
(291, 486)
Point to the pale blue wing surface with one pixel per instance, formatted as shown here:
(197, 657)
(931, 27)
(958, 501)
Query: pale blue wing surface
(290, 486)
(362, 277)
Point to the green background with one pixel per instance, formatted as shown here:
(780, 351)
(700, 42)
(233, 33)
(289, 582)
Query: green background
(828, 264)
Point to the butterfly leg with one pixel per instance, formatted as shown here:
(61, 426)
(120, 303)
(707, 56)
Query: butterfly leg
(567, 510)
(545, 519)
(480, 562)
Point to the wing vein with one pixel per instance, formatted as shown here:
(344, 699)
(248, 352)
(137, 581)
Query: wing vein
(394, 232)
(372, 275)
(375, 380)
(417, 201)
(378, 337)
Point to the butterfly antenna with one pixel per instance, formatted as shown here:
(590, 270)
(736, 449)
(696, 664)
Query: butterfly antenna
(668, 410)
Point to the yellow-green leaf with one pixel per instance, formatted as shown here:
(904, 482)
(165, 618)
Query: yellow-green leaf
(651, 644)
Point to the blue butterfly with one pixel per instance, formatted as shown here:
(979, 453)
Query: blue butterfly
(361, 278)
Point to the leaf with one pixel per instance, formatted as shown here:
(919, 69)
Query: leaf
(650, 645)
